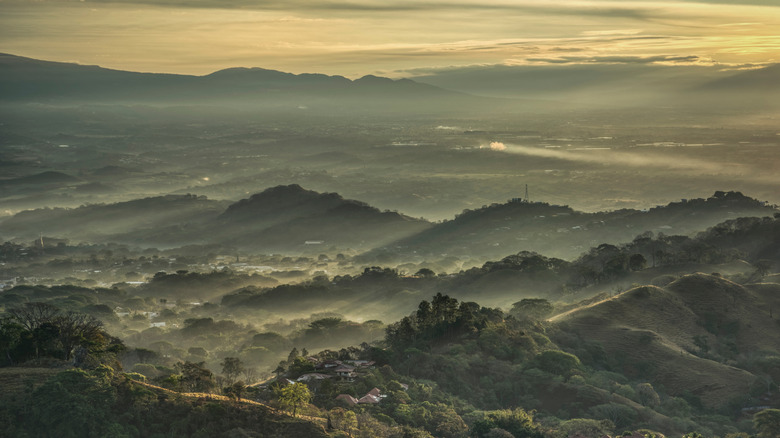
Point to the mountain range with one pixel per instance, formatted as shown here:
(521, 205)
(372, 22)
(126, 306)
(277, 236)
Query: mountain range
(623, 84)
(496, 88)
(30, 80)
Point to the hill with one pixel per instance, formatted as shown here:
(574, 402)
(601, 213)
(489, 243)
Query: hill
(286, 217)
(43, 178)
(282, 218)
(98, 221)
(77, 403)
(694, 335)
(559, 231)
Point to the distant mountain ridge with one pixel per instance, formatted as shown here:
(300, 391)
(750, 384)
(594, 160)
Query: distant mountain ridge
(30, 80)
(623, 84)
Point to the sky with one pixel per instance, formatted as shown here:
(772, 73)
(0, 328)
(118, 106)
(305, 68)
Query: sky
(392, 38)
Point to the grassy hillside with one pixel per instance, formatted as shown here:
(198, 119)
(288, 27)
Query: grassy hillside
(689, 336)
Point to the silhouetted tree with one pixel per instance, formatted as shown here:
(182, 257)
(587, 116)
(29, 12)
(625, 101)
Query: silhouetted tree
(231, 368)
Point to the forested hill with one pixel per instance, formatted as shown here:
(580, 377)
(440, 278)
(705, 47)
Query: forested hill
(559, 231)
(282, 218)
(658, 359)
(78, 403)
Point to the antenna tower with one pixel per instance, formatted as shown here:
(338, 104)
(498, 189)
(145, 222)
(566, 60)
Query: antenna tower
(526, 193)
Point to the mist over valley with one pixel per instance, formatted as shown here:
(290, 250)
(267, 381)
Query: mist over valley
(489, 251)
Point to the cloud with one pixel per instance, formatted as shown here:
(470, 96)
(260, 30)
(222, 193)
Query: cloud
(631, 159)
(635, 10)
(494, 146)
(673, 59)
(358, 37)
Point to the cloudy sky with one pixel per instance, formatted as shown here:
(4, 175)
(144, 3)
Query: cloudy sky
(389, 37)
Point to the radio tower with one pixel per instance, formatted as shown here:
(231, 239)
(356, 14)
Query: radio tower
(526, 193)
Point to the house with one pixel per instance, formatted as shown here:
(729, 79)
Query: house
(375, 392)
(328, 364)
(343, 370)
(369, 399)
(157, 324)
(313, 376)
(348, 399)
(346, 372)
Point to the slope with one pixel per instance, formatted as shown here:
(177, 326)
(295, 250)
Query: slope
(77, 403)
(684, 336)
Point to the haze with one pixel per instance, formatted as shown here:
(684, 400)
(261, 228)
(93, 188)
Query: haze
(493, 210)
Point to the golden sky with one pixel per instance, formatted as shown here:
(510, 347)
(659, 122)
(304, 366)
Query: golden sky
(393, 38)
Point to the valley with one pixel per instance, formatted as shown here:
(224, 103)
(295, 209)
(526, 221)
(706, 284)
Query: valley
(253, 253)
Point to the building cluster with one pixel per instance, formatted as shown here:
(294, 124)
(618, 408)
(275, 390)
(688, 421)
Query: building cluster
(344, 371)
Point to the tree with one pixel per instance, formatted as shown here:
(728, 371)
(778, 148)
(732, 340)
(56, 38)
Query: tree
(619, 415)
(77, 329)
(767, 423)
(10, 341)
(293, 354)
(235, 390)
(557, 362)
(58, 334)
(532, 308)
(586, 427)
(637, 262)
(343, 419)
(195, 377)
(647, 395)
(517, 422)
(425, 273)
(293, 396)
(299, 366)
(231, 368)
